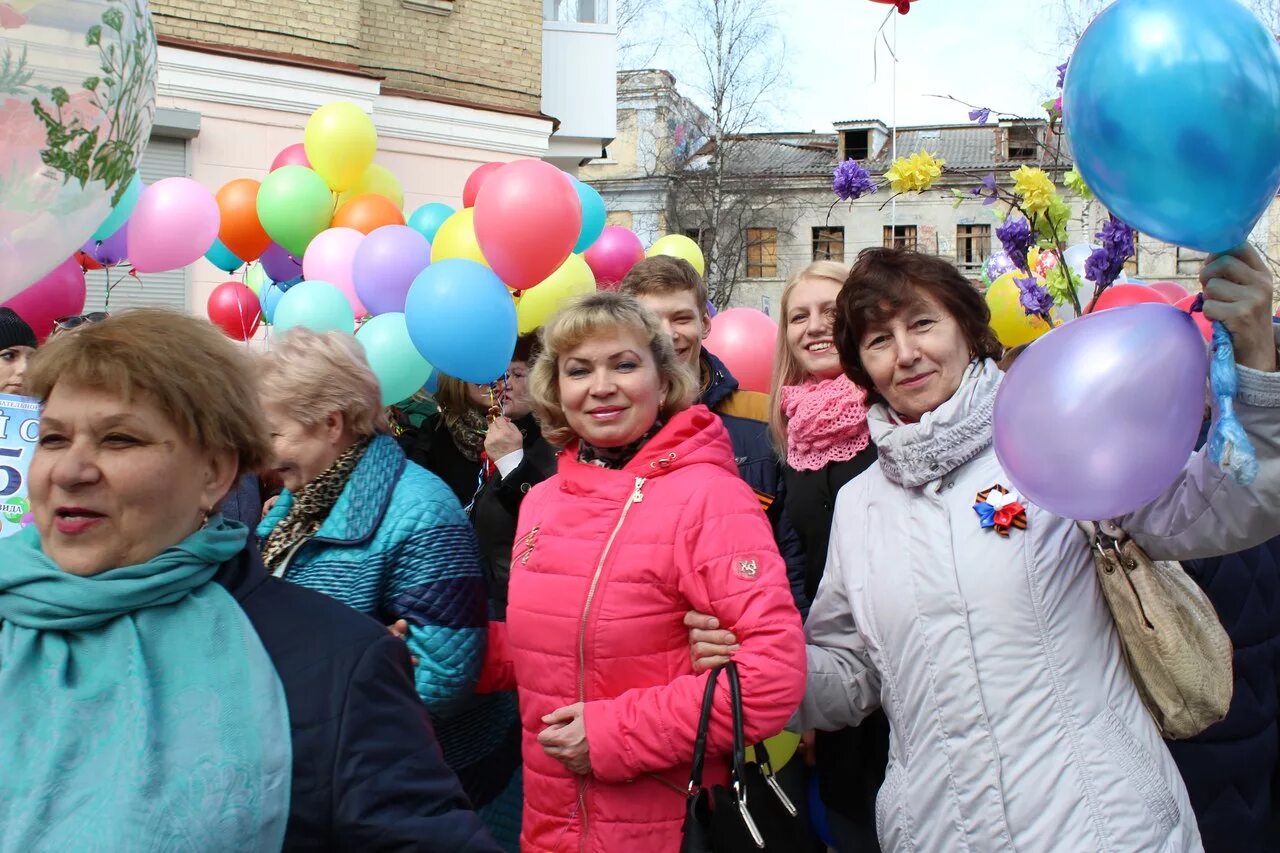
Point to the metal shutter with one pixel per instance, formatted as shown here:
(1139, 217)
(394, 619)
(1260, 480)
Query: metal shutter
(164, 158)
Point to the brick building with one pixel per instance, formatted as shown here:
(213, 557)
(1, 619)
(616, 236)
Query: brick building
(451, 84)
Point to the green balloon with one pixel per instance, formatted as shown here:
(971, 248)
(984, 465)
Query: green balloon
(400, 368)
(294, 205)
(314, 305)
(255, 278)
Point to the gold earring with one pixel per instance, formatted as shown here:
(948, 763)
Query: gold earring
(204, 517)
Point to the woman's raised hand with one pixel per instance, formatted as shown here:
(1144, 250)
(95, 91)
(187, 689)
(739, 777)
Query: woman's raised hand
(709, 645)
(1238, 290)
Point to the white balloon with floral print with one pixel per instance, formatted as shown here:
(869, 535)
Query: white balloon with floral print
(77, 99)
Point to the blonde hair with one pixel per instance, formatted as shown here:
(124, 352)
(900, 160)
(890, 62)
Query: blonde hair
(194, 375)
(313, 375)
(786, 369)
(589, 317)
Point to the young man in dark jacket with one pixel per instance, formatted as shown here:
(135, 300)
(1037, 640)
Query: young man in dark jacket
(672, 289)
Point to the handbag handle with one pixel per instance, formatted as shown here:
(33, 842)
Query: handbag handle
(704, 726)
(704, 723)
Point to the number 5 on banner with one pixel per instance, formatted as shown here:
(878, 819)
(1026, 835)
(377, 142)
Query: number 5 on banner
(12, 476)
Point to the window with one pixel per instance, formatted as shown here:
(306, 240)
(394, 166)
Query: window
(1023, 142)
(973, 244)
(704, 237)
(576, 11)
(762, 253)
(621, 218)
(1131, 265)
(828, 244)
(857, 144)
(1190, 261)
(900, 237)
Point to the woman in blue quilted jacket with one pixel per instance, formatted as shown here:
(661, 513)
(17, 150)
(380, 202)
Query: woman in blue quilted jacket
(359, 522)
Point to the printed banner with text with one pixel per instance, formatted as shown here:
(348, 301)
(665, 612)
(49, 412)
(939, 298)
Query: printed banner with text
(19, 426)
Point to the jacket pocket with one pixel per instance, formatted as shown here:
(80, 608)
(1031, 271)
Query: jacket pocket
(1140, 767)
(892, 821)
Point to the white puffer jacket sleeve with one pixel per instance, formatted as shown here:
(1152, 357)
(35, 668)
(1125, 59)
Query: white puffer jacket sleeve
(1204, 514)
(843, 685)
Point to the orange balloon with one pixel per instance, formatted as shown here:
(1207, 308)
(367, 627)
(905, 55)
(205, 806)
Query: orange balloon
(240, 231)
(367, 212)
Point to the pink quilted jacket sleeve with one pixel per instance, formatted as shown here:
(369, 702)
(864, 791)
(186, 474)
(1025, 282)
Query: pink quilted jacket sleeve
(728, 566)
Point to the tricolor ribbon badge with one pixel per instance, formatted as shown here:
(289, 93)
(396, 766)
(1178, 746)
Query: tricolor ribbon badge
(998, 508)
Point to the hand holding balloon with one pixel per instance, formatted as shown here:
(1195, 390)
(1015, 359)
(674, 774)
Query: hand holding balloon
(1237, 292)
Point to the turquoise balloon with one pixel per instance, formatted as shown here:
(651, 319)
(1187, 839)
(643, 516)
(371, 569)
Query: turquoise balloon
(462, 319)
(593, 215)
(427, 219)
(1173, 112)
(222, 257)
(271, 296)
(400, 368)
(116, 219)
(314, 305)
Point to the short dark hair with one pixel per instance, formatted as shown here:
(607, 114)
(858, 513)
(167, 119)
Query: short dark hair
(885, 281)
(664, 274)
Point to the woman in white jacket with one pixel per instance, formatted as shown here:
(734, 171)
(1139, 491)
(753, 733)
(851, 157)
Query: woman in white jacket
(1015, 723)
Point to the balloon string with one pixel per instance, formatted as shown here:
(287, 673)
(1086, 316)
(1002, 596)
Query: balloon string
(1229, 445)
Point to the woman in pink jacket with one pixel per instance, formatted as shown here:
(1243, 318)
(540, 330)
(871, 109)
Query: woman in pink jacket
(646, 519)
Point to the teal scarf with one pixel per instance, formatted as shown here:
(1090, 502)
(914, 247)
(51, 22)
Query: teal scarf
(138, 708)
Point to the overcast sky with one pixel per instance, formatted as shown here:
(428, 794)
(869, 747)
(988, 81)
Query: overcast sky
(996, 53)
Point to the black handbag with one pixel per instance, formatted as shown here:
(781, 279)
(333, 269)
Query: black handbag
(718, 819)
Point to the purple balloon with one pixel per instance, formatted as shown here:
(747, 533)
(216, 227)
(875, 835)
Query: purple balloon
(1098, 417)
(279, 265)
(998, 263)
(110, 251)
(711, 309)
(385, 265)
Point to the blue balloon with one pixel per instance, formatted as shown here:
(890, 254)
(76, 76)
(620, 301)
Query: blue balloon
(222, 257)
(593, 215)
(1173, 112)
(462, 319)
(427, 219)
(271, 294)
(122, 211)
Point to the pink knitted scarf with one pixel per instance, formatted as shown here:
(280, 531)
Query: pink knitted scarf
(826, 422)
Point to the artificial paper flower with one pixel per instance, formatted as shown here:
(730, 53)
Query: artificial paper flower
(1034, 188)
(1016, 238)
(1105, 265)
(1074, 181)
(1033, 298)
(915, 173)
(1060, 281)
(1052, 226)
(852, 181)
(982, 115)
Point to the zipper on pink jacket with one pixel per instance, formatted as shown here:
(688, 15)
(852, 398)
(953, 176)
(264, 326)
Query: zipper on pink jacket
(636, 497)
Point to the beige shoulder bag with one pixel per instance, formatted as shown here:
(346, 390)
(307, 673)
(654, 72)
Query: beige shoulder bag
(1178, 652)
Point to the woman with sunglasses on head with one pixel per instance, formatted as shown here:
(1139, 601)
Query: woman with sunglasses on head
(76, 321)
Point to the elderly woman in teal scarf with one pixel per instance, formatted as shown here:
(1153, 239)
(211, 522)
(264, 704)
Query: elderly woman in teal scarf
(152, 693)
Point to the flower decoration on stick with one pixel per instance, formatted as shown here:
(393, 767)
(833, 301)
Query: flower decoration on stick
(852, 181)
(915, 173)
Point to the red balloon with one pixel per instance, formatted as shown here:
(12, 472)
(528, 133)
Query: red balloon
(904, 6)
(294, 155)
(744, 339)
(1202, 323)
(613, 255)
(1170, 290)
(1126, 294)
(471, 189)
(235, 309)
(61, 293)
(528, 217)
(87, 263)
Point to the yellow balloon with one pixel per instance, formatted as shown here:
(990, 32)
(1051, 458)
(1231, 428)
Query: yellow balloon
(1010, 322)
(1033, 258)
(679, 246)
(457, 238)
(377, 180)
(340, 141)
(781, 747)
(536, 305)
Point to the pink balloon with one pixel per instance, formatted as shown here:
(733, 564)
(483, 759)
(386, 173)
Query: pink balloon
(480, 174)
(744, 340)
(528, 217)
(61, 293)
(174, 224)
(1202, 322)
(1170, 290)
(613, 255)
(294, 155)
(1119, 295)
(1099, 416)
(331, 257)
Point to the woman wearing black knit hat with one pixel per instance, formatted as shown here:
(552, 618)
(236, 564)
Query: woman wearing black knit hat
(17, 342)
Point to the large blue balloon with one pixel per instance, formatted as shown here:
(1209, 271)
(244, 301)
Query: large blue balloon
(462, 319)
(427, 219)
(593, 215)
(120, 213)
(1173, 112)
(271, 294)
(222, 257)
